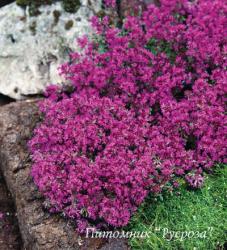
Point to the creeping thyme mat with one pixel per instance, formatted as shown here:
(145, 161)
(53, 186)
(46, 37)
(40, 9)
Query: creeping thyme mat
(146, 107)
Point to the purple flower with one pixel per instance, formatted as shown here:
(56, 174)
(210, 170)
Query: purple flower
(148, 106)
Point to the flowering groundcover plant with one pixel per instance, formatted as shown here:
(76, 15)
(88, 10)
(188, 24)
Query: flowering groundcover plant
(147, 105)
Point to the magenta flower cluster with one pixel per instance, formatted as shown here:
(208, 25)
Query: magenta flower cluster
(146, 105)
(110, 3)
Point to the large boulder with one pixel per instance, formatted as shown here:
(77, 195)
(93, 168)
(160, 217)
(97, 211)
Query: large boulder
(32, 47)
(39, 229)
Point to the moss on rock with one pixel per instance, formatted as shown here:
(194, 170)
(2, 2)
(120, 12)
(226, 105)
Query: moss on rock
(23, 2)
(56, 14)
(32, 28)
(34, 2)
(71, 5)
(69, 25)
(33, 5)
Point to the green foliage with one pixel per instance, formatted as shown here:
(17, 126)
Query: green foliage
(162, 46)
(152, 46)
(195, 210)
(71, 5)
(180, 18)
(100, 42)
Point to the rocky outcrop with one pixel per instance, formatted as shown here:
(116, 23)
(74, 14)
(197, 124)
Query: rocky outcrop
(32, 47)
(39, 229)
(9, 231)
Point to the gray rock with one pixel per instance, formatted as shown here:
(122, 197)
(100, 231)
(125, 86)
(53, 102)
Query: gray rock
(32, 48)
(39, 229)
